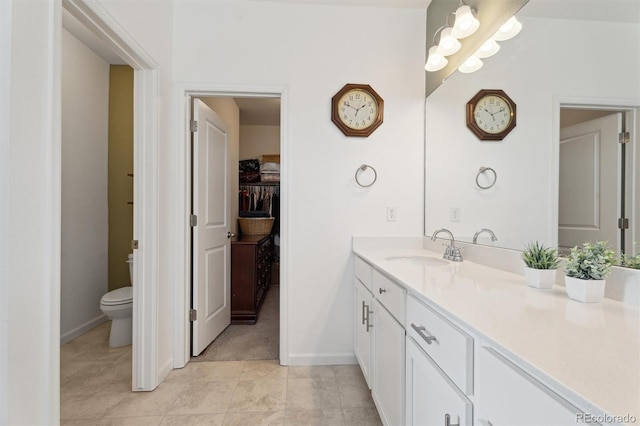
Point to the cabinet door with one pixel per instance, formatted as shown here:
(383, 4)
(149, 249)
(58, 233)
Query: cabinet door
(364, 330)
(431, 395)
(388, 367)
(506, 395)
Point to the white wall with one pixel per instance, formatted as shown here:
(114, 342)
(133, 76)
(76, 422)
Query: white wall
(33, 346)
(550, 58)
(258, 140)
(5, 106)
(85, 221)
(276, 44)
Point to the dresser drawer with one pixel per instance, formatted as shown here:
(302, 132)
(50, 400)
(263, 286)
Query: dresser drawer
(264, 248)
(390, 295)
(363, 272)
(450, 347)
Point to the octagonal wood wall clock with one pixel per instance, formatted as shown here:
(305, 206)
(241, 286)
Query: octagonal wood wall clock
(357, 110)
(491, 114)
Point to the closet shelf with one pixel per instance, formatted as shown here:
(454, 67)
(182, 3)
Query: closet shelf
(261, 184)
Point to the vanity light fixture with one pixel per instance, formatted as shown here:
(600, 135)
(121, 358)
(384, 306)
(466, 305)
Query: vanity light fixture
(447, 45)
(464, 25)
(466, 22)
(473, 63)
(508, 30)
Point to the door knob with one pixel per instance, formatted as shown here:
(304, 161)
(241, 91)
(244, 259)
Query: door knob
(230, 235)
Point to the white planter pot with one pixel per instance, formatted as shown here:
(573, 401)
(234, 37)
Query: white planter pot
(588, 291)
(540, 278)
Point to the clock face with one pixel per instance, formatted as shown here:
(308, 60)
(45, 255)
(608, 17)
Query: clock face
(492, 114)
(357, 109)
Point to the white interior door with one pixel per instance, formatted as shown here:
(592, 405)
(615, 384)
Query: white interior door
(589, 182)
(211, 255)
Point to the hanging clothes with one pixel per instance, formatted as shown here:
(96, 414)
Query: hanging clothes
(262, 197)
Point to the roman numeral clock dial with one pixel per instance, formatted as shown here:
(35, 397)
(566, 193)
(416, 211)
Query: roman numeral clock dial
(491, 115)
(357, 110)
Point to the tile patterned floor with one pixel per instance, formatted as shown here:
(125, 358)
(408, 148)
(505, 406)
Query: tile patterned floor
(96, 383)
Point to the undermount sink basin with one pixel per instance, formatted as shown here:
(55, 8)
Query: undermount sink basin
(419, 260)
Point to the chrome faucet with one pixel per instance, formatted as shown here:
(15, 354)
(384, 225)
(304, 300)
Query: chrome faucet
(451, 252)
(487, 230)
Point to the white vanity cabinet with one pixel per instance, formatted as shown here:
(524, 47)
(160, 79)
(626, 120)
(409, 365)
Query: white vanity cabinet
(389, 355)
(364, 329)
(507, 395)
(380, 339)
(388, 367)
(431, 359)
(363, 347)
(431, 397)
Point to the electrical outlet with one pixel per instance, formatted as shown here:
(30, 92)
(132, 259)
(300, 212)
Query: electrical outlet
(454, 214)
(391, 214)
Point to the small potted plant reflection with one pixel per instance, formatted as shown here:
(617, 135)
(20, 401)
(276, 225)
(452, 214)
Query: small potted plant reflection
(540, 265)
(587, 268)
(628, 261)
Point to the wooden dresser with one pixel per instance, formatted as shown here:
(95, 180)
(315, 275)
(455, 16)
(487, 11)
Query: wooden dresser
(250, 276)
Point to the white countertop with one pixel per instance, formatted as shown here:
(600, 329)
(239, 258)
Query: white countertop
(587, 352)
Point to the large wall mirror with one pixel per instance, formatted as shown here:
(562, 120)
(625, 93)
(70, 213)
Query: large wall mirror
(573, 72)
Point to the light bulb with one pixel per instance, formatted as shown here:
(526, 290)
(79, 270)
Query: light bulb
(508, 30)
(473, 63)
(488, 48)
(465, 23)
(448, 44)
(435, 61)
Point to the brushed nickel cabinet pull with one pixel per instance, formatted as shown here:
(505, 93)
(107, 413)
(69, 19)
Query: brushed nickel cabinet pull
(420, 330)
(447, 421)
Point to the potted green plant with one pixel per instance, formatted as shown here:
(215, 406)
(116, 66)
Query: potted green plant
(540, 265)
(587, 269)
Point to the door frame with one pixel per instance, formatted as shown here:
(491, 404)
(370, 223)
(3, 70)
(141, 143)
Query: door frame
(145, 187)
(627, 105)
(182, 291)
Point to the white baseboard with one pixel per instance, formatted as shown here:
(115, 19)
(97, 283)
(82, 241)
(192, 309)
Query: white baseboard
(165, 370)
(340, 358)
(80, 330)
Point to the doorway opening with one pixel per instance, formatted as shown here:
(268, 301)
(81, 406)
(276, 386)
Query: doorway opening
(598, 168)
(94, 24)
(257, 254)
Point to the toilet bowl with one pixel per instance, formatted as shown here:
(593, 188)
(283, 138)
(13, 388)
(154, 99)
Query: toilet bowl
(118, 306)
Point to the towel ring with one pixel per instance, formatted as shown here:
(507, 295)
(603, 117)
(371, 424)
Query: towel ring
(362, 169)
(486, 169)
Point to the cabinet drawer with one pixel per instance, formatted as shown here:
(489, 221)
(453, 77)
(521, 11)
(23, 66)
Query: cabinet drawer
(390, 295)
(363, 273)
(446, 344)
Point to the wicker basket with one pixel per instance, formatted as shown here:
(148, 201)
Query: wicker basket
(256, 225)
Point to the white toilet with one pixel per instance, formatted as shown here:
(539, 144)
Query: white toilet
(118, 306)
